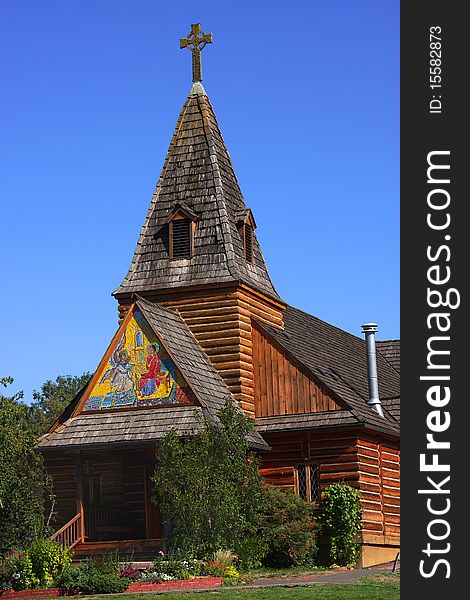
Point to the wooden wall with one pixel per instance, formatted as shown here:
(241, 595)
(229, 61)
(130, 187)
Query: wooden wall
(62, 470)
(379, 484)
(221, 321)
(367, 463)
(282, 386)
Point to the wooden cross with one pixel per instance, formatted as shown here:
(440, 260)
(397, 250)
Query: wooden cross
(196, 41)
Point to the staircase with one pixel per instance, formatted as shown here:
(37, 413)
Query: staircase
(72, 535)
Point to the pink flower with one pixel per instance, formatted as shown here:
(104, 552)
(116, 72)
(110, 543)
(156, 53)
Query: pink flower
(13, 551)
(20, 555)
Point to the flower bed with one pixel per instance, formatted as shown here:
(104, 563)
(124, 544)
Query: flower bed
(134, 587)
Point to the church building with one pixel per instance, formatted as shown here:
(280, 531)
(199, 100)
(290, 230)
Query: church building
(200, 322)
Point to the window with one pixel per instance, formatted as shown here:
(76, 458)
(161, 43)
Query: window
(308, 486)
(248, 241)
(180, 238)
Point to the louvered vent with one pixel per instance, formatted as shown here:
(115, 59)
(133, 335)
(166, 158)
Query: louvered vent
(181, 239)
(248, 230)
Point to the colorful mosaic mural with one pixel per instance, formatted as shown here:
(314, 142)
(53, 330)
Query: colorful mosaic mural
(138, 373)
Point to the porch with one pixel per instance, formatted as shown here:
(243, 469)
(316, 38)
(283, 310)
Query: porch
(104, 500)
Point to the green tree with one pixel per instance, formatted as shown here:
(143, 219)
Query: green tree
(209, 490)
(54, 396)
(23, 481)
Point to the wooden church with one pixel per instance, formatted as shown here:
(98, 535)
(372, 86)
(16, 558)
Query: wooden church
(200, 322)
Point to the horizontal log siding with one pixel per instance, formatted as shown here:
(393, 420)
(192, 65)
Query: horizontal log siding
(281, 386)
(335, 452)
(366, 463)
(379, 485)
(64, 481)
(221, 321)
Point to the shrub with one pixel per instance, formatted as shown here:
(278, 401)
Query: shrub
(48, 560)
(288, 529)
(38, 566)
(341, 519)
(99, 576)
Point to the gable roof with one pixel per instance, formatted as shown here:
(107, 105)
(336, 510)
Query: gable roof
(198, 172)
(85, 429)
(337, 359)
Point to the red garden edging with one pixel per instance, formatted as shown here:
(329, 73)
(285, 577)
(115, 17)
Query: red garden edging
(135, 586)
(49, 593)
(177, 584)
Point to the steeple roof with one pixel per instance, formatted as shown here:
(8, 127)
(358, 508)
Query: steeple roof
(197, 173)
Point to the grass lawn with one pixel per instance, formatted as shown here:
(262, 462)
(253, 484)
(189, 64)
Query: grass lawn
(290, 572)
(380, 590)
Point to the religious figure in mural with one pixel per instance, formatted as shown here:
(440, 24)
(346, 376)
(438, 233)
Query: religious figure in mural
(150, 379)
(120, 378)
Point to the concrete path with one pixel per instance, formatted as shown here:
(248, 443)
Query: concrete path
(349, 576)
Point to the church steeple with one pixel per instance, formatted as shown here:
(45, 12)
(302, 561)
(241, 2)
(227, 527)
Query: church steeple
(197, 251)
(215, 243)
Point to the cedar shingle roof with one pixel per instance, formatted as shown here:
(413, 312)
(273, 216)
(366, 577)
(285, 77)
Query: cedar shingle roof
(338, 359)
(151, 424)
(121, 427)
(390, 349)
(197, 172)
(332, 418)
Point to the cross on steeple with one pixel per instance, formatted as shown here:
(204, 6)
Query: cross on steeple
(196, 41)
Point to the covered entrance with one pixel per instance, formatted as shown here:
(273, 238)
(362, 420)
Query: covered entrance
(106, 496)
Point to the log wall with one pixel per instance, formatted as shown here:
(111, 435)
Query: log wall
(379, 484)
(367, 463)
(62, 470)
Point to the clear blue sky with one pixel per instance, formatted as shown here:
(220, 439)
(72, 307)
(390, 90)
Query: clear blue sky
(307, 97)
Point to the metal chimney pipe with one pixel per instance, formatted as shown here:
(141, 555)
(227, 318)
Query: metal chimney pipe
(369, 330)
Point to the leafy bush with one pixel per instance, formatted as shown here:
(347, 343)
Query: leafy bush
(38, 566)
(209, 490)
(93, 577)
(48, 560)
(288, 529)
(341, 518)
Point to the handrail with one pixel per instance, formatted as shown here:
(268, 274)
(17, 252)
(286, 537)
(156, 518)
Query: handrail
(71, 533)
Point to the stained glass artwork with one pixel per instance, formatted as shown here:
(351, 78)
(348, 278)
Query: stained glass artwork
(138, 372)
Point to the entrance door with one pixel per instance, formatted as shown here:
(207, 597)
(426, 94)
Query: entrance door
(91, 505)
